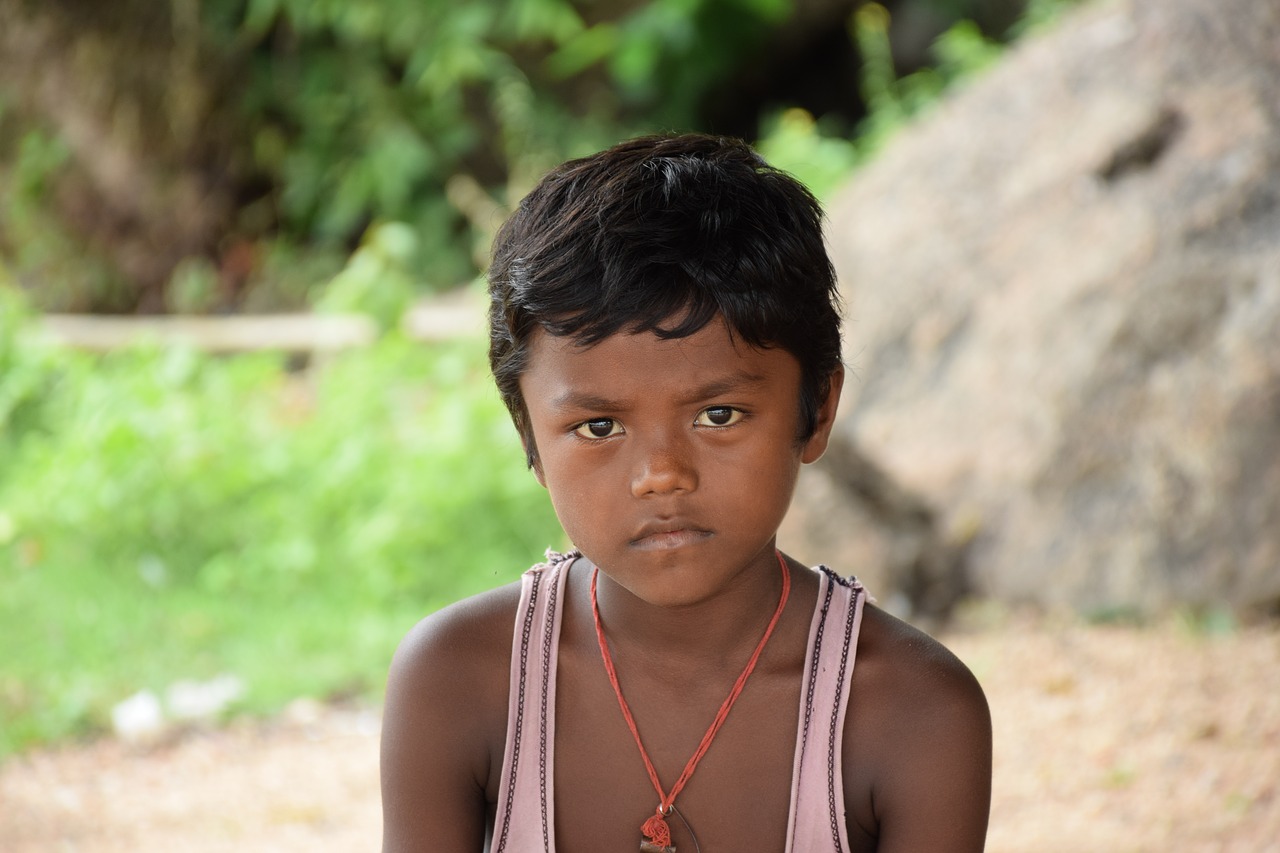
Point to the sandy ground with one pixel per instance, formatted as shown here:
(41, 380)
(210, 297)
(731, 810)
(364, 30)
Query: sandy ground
(1107, 739)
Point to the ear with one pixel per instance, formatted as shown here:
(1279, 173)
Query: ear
(817, 443)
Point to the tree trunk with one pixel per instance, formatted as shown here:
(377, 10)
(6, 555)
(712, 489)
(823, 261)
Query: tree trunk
(132, 91)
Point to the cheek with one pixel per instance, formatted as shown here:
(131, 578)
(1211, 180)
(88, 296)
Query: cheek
(573, 493)
(775, 480)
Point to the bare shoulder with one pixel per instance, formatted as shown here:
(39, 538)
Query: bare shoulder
(911, 673)
(918, 742)
(444, 723)
(460, 642)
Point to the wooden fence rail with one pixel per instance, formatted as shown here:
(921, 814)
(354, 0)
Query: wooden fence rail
(436, 320)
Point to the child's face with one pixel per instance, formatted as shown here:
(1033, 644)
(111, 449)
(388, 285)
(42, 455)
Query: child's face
(670, 463)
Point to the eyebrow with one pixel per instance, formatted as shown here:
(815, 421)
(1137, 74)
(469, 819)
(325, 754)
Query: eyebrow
(718, 387)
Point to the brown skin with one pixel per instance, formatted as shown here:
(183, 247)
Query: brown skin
(671, 463)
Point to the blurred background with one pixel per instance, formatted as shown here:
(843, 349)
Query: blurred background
(248, 438)
(215, 156)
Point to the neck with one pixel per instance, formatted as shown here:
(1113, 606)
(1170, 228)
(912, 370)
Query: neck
(724, 626)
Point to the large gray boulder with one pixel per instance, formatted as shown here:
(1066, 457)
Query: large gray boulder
(1063, 291)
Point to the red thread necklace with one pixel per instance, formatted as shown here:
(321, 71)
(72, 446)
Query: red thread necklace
(655, 829)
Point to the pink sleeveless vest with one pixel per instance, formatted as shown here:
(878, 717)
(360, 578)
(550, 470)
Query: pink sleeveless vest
(526, 802)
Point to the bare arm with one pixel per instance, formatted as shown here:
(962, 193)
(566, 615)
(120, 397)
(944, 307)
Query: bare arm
(445, 715)
(928, 731)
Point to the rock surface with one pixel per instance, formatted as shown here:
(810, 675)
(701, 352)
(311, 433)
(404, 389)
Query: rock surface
(1063, 292)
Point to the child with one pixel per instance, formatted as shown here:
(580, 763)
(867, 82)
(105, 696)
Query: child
(665, 332)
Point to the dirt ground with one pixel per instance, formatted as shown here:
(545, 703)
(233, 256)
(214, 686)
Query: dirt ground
(1107, 739)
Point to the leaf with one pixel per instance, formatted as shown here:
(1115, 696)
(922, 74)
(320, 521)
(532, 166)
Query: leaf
(259, 16)
(535, 20)
(585, 49)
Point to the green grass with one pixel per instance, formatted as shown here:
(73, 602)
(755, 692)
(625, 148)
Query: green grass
(166, 515)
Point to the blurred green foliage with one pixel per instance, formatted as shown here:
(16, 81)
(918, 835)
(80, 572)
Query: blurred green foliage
(374, 105)
(823, 157)
(892, 100)
(169, 515)
(32, 237)
(324, 122)
(364, 110)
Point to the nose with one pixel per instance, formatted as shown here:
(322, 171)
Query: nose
(664, 466)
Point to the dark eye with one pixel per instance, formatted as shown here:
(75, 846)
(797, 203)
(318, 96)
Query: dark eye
(719, 416)
(599, 428)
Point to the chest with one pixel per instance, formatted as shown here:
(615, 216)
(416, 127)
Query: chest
(739, 794)
(571, 778)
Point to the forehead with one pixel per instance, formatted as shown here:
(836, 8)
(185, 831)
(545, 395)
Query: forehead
(640, 363)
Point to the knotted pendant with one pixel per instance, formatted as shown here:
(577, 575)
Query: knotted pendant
(658, 835)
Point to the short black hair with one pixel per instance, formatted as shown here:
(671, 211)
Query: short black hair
(665, 229)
